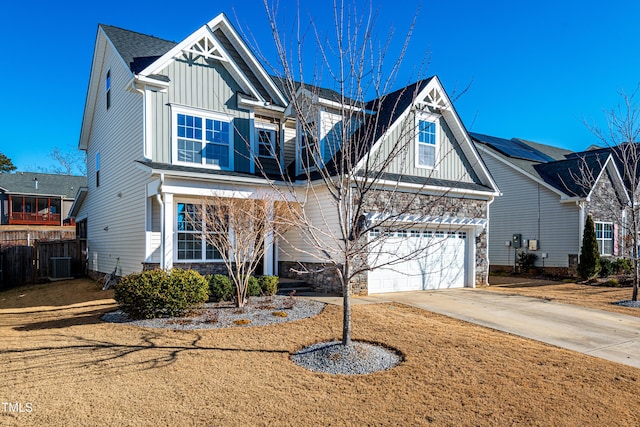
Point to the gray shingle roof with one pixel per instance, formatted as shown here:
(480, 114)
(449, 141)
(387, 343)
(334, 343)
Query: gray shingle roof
(201, 170)
(570, 173)
(575, 176)
(284, 86)
(48, 184)
(138, 50)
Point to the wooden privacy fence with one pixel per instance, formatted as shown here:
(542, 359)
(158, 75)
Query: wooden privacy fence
(19, 237)
(47, 260)
(17, 266)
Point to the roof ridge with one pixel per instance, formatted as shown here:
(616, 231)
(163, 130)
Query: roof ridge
(138, 33)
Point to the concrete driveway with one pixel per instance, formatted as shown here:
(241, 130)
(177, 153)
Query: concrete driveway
(603, 334)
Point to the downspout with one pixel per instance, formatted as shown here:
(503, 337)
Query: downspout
(581, 222)
(162, 226)
(144, 116)
(486, 278)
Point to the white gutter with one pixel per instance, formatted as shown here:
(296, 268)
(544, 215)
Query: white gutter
(248, 102)
(144, 116)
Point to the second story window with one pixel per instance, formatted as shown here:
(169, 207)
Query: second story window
(98, 169)
(203, 140)
(266, 142)
(308, 150)
(426, 143)
(107, 88)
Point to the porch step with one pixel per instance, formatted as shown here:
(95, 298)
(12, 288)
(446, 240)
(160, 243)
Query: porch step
(286, 286)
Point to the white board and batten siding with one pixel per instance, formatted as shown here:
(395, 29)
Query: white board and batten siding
(533, 210)
(205, 88)
(116, 209)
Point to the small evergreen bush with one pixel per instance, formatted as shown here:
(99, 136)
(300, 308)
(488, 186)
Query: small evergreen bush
(622, 266)
(526, 261)
(155, 293)
(589, 264)
(606, 267)
(253, 287)
(268, 285)
(220, 288)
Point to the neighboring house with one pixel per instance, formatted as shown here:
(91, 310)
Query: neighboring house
(37, 199)
(167, 123)
(547, 193)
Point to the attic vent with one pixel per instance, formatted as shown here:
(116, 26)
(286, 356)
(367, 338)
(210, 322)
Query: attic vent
(435, 99)
(206, 48)
(60, 268)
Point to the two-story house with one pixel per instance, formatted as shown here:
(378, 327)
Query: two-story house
(168, 123)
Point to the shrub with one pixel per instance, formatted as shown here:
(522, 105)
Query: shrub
(589, 264)
(612, 283)
(242, 321)
(606, 267)
(156, 294)
(526, 261)
(622, 266)
(253, 287)
(220, 288)
(268, 285)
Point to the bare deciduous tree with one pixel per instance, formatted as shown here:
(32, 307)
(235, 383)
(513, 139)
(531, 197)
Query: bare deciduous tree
(354, 193)
(68, 162)
(239, 231)
(620, 139)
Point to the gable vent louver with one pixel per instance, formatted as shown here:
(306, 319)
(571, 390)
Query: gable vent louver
(205, 48)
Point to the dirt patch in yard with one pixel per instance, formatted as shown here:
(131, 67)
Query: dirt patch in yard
(73, 369)
(592, 296)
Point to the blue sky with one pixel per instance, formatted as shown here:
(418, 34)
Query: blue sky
(536, 70)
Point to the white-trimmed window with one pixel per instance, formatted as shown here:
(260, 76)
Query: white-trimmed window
(266, 138)
(191, 229)
(604, 236)
(107, 88)
(203, 139)
(308, 152)
(426, 141)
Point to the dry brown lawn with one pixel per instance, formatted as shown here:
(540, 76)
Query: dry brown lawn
(76, 370)
(599, 297)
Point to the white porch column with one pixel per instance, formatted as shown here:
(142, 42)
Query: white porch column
(268, 245)
(168, 232)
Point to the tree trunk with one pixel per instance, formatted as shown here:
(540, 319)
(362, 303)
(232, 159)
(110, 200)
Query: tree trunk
(346, 313)
(346, 304)
(636, 274)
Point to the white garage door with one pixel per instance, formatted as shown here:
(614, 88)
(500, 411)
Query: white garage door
(441, 262)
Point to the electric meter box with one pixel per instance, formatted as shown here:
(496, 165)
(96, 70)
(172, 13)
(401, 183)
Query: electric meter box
(516, 242)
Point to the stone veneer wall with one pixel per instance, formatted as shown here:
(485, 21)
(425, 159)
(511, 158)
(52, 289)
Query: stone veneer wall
(324, 278)
(604, 206)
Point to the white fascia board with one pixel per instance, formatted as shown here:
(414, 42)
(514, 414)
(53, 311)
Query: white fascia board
(148, 81)
(455, 124)
(563, 196)
(253, 103)
(78, 201)
(208, 177)
(609, 164)
(449, 114)
(180, 187)
(204, 31)
(238, 43)
(433, 189)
